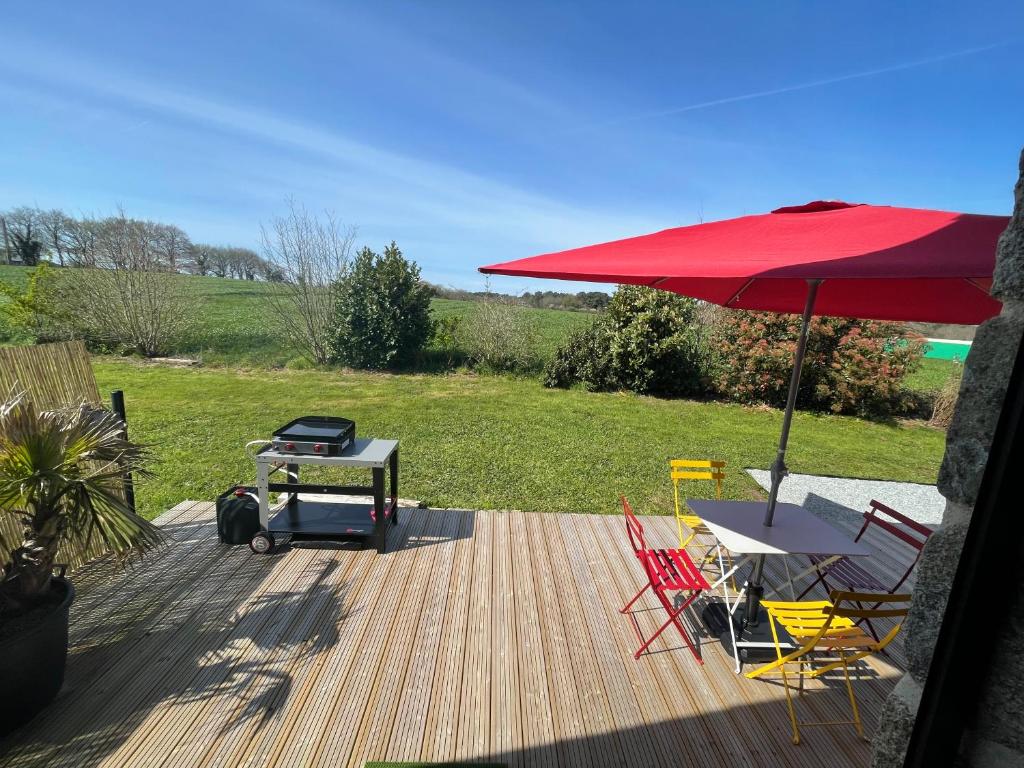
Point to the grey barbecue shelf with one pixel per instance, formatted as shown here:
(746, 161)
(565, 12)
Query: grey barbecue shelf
(327, 517)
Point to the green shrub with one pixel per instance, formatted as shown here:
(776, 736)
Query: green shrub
(446, 342)
(585, 358)
(648, 341)
(37, 310)
(851, 366)
(382, 315)
(114, 309)
(126, 307)
(499, 335)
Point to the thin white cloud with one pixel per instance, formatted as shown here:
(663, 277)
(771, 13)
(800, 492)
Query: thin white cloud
(805, 85)
(435, 191)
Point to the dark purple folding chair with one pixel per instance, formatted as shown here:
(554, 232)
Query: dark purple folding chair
(846, 574)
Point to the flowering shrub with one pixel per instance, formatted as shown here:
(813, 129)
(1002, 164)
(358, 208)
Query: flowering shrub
(851, 366)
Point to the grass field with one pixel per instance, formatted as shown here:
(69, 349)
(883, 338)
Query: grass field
(489, 441)
(932, 375)
(232, 328)
(468, 441)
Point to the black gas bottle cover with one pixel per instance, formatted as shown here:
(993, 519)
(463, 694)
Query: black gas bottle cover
(238, 515)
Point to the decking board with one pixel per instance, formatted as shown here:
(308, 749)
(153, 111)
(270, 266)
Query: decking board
(479, 635)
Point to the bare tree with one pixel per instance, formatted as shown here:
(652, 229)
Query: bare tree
(171, 245)
(5, 233)
(270, 272)
(220, 261)
(56, 227)
(228, 261)
(199, 260)
(131, 297)
(82, 237)
(22, 231)
(311, 253)
(246, 264)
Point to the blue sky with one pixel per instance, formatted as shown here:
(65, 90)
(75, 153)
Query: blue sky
(473, 132)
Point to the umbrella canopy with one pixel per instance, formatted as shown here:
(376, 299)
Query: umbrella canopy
(826, 258)
(875, 262)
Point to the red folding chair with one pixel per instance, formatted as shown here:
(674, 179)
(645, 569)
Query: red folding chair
(668, 570)
(854, 578)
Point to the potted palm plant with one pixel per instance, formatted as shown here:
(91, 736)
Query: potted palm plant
(60, 480)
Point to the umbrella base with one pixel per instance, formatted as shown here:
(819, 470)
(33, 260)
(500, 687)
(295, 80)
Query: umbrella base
(754, 644)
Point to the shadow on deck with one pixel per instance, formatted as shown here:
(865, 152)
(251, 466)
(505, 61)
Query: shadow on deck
(474, 637)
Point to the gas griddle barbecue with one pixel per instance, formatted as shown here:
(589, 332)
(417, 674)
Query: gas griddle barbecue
(323, 435)
(324, 517)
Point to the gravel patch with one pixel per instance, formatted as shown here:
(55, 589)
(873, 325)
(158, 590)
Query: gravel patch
(843, 498)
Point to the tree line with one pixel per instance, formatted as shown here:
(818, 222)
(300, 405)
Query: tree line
(30, 235)
(584, 300)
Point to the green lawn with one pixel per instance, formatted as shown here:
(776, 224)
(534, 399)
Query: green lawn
(16, 276)
(488, 441)
(932, 375)
(551, 325)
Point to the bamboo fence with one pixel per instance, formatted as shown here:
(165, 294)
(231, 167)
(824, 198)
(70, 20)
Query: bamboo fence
(53, 376)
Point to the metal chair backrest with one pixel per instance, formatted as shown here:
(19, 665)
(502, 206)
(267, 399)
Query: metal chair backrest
(850, 605)
(876, 516)
(698, 469)
(634, 530)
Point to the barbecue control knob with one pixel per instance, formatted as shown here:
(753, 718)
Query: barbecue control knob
(317, 448)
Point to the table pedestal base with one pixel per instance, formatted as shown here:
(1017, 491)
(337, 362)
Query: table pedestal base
(753, 644)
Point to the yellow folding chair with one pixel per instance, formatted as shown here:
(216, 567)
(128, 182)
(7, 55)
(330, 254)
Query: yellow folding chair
(693, 469)
(828, 638)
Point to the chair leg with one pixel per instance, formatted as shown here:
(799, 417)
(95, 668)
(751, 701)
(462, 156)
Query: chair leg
(682, 629)
(781, 661)
(813, 584)
(709, 557)
(626, 607)
(853, 699)
(789, 705)
(867, 622)
(673, 618)
(651, 639)
(684, 540)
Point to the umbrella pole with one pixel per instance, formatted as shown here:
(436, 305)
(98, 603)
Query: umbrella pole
(779, 470)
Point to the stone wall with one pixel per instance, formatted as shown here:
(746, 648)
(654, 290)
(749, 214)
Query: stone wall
(997, 738)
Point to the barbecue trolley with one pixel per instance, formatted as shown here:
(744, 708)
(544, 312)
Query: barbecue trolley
(325, 517)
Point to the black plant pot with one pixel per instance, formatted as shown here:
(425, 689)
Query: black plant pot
(32, 663)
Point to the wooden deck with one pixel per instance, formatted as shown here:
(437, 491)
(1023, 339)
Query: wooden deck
(474, 637)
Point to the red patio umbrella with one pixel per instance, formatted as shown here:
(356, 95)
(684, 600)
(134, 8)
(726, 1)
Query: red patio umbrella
(876, 262)
(826, 258)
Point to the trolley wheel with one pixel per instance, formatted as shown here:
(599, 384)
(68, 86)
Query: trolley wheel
(262, 543)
